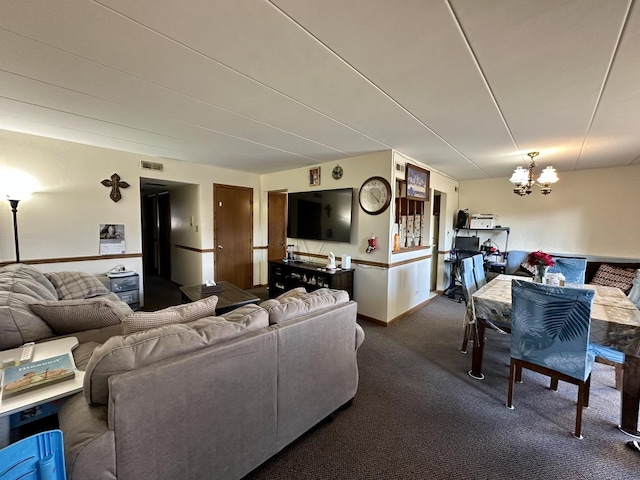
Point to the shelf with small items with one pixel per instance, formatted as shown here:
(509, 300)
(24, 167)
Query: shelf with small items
(283, 276)
(410, 229)
(494, 256)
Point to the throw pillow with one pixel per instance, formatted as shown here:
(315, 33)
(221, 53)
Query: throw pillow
(293, 293)
(611, 276)
(294, 307)
(125, 353)
(526, 268)
(70, 316)
(76, 285)
(634, 294)
(185, 313)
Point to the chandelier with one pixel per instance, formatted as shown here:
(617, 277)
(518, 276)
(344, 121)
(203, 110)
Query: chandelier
(523, 179)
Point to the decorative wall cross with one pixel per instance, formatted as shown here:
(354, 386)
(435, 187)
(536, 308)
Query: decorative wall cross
(115, 185)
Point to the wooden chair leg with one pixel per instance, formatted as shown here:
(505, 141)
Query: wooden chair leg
(619, 375)
(512, 381)
(581, 396)
(518, 377)
(465, 338)
(587, 389)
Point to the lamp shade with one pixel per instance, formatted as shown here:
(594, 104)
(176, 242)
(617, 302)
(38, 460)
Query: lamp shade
(520, 176)
(548, 176)
(16, 185)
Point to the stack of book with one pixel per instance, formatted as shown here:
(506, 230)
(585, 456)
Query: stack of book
(29, 376)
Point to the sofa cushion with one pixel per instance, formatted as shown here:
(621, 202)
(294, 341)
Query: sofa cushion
(21, 285)
(612, 276)
(185, 313)
(69, 316)
(293, 293)
(302, 304)
(125, 353)
(634, 294)
(76, 285)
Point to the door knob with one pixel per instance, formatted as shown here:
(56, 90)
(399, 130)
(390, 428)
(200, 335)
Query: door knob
(220, 247)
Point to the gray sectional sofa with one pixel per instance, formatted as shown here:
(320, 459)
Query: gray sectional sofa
(67, 303)
(213, 397)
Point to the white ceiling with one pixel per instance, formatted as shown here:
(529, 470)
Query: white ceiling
(467, 87)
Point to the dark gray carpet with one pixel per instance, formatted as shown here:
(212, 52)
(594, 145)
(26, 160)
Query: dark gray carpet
(418, 415)
(160, 293)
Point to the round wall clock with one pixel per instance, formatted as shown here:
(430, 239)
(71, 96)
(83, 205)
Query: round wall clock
(337, 172)
(375, 195)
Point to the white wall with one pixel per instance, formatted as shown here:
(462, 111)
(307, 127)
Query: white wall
(62, 218)
(356, 171)
(186, 265)
(385, 286)
(370, 282)
(590, 212)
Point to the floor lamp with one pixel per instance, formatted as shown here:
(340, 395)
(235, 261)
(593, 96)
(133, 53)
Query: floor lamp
(14, 209)
(15, 186)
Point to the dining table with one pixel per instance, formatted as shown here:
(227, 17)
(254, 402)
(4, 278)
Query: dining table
(615, 322)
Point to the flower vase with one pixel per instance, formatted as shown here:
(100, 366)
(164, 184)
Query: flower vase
(541, 274)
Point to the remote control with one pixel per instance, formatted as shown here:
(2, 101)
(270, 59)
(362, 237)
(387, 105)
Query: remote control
(27, 352)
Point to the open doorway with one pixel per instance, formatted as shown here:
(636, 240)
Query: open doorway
(156, 234)
(158, 200)
(435, 257)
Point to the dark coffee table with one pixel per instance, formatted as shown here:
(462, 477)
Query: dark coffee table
(229, 298)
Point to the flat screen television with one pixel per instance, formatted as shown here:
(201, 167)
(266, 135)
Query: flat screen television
(320, 215)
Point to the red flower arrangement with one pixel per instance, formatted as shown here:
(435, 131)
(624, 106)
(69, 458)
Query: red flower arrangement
(540, 259)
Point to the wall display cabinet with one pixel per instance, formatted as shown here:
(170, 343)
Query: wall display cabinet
(284, 276)
(411, 220)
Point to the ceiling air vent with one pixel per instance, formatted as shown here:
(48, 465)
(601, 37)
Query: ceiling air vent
(158, 167)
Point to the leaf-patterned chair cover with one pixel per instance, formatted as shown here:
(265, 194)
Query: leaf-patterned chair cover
(550, 327)
(469, 287)
(573, 268)
(478, 270)
(550, 335)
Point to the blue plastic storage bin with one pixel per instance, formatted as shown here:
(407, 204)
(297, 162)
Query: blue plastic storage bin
(39, 457)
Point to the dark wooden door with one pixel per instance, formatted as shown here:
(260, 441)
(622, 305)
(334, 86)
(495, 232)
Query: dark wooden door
(164, 235)
(277, 218)
(149, 251)
(233, 234)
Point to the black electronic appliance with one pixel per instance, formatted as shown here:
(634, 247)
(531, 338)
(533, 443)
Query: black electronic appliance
(320, 215)
(469, 244)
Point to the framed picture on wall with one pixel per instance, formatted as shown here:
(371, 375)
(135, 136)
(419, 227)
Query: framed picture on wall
(417, 183)
(314, 176)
